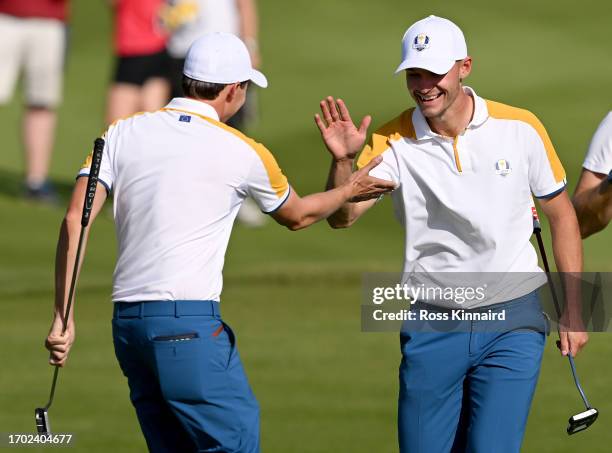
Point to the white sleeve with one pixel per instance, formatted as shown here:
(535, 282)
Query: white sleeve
(599, 155)
(378, 145)
(266, 183)
(387, 169)
(105, 176)
(546, 174)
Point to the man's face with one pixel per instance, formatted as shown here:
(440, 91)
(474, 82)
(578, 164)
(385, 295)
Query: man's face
(435, 93)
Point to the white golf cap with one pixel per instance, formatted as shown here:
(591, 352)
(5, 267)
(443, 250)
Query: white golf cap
(434, 44)
(221, 58)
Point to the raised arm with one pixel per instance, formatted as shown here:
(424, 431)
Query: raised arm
(593, 202)
(343, 140)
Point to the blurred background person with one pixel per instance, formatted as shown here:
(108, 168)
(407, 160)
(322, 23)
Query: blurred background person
(34, 40)
(187, 20)
(140, 81)
(593, 195)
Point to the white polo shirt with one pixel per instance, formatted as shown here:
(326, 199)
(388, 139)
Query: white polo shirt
(179, 177)
(466, 201)
(599, 155)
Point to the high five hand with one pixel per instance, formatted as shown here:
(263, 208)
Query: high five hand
(364, 187)
(341, 137)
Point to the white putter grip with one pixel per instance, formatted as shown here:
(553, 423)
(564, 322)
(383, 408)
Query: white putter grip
(92, 180)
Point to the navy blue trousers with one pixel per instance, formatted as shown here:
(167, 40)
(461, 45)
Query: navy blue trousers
(186, 380)
(470, 390)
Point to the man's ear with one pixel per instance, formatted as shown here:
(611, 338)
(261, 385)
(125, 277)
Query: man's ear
(465, 68)
(231, 92)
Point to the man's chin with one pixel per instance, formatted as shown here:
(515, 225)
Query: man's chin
(430, 112)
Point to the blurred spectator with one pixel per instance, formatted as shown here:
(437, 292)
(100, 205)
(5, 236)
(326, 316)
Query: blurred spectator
(187, 20)
(140, 82)
(593, 195)
(34, 39)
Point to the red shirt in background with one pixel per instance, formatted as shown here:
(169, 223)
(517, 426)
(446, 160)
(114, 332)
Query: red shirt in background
(137, 27)
(50, 9)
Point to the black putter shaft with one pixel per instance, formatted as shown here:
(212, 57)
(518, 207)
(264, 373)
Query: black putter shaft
(92, 183)
(537, 229)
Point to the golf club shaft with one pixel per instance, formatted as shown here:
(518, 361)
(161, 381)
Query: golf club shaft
(90, 193)
(577, 382)
(537, 230)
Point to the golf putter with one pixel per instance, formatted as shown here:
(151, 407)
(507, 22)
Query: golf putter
(586, 418)
(41, 414)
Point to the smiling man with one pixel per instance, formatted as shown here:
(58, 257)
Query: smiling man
(467, 170)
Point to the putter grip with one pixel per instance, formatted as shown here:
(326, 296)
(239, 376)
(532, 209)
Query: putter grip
(92, 180)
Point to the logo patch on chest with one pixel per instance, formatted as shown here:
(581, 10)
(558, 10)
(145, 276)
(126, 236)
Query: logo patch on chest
(502, 167)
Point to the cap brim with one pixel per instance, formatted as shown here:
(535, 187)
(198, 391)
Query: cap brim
(258, 78)
(436, 66)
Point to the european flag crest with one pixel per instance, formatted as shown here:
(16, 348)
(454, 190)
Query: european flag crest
(185, 118)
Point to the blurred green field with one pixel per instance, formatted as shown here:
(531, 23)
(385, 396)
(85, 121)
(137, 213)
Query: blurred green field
(293, 298)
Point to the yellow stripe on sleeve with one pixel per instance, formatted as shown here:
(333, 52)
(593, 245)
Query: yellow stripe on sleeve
(395, 129)
(87, 163)
(502, 111)
(278, 180)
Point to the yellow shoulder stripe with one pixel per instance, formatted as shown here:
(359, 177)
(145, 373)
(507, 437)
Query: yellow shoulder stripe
(278, 181)
(399, 127)
(87, 163)
(506, 112)
(126, 118)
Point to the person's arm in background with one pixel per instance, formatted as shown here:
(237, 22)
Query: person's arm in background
(249, 28)
(593, 193)
(297, 213)
(344, 141)
(567, 249)
(59, 345)
(593, 202)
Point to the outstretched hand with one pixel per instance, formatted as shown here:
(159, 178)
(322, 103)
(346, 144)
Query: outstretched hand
(340, 135)
(364, 187)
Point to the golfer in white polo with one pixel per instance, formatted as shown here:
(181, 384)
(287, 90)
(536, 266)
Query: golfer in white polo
(179, 176)
(467, 169)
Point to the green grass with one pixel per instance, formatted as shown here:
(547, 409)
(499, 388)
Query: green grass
(293, 298)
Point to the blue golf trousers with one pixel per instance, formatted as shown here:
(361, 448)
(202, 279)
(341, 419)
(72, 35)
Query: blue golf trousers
(186, 380)
(469, 390)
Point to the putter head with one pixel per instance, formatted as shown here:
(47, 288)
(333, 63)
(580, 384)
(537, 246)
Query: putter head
(582, 421)
(42, 420)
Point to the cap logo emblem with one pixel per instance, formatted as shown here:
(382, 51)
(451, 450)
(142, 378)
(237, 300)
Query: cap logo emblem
(421, 42)
(502, 167)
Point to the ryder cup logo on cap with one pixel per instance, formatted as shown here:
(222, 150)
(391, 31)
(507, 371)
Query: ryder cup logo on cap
(221, 58)
(433, 44)
(421, 42)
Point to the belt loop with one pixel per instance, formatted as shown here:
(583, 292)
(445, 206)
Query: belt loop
(141, 310)
(177, 313)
